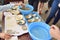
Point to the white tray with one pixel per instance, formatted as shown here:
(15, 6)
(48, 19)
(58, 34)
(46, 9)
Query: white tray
(16, 28)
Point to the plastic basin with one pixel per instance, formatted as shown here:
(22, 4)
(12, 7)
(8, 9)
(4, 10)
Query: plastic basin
(39, 31)
(26, 12)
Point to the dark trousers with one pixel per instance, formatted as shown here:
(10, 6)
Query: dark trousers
(57, 17)
(34, 3)
(50, 3)
(53, 11)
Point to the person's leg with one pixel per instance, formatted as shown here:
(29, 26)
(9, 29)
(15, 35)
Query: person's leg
(35, 5)
(54, 9)
(57, 18)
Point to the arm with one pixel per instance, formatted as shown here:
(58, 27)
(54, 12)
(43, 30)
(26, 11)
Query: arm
(5, 36)
(55, 32)
(38, 7)
(0, 35)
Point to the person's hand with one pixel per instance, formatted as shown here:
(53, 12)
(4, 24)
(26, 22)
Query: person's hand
(19, 3)
(54, 31)
(39, 11)
(5, 36)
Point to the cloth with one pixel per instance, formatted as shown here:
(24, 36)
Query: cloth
(5, 7)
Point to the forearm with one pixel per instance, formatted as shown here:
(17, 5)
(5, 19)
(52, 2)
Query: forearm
(39, 6)
(0, 35)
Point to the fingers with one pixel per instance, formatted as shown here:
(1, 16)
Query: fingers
(19, 3)
(22, 4)
(7, 36)
(54, 27)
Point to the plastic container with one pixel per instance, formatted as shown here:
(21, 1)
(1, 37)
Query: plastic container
(39, 31)
(26, 12)
(37, 15)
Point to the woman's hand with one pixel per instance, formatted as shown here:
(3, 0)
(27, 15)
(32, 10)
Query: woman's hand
(19, 3)
(55, 32)
(5, 36)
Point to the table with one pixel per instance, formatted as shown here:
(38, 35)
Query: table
(22, 37)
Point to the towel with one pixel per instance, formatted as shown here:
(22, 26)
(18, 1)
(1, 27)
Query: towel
(6, 7)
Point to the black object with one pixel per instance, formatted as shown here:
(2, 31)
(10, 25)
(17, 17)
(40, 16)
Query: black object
(1, 39)
(34, 3)
(50, 3)
(46, 11)
(43, 1)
